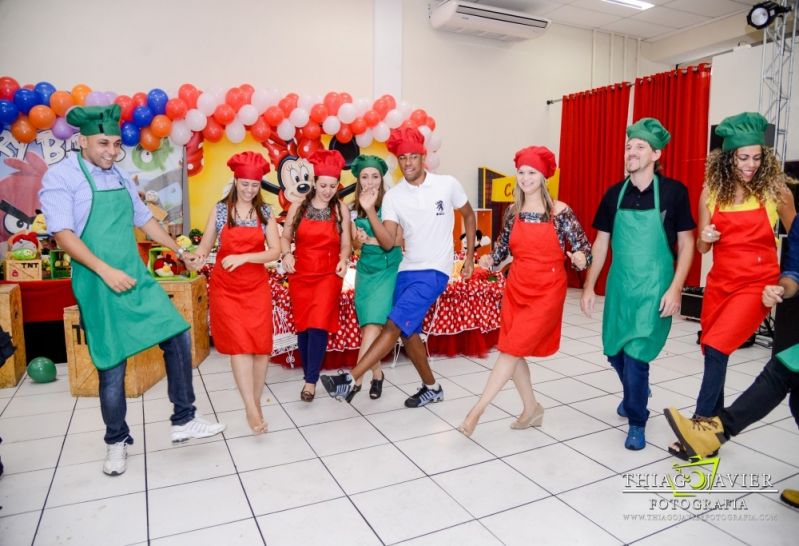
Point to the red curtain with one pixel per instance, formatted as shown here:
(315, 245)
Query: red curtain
(680, 100)
(592, 154)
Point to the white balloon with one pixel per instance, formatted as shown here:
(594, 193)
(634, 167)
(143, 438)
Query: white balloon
(434, 142)
(235, 132)
(305, 102)
(405, 109)
(299, 117)
(364, 139)
(285, 130)
(274, 96)
(260, 100)
(181, 134)
(393, 118)
(425, 130)
(361, 106)
(391, 161)
(381, 132)
(346, 113)
(331, 125)
(433, 161)
(195, 120)
(248, 114)
(206, 103)
(219, 95)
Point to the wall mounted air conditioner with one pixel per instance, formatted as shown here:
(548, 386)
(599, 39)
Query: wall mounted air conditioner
(486, 21)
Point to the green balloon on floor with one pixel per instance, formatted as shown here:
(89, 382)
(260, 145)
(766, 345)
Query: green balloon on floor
(41, 370)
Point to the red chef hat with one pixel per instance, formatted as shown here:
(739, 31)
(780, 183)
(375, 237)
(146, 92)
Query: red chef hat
(538, 157)
(406, 140)
(249, 165)
(327, 163)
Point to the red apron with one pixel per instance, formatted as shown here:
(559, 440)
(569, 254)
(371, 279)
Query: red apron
(532, 306)
(744, 261)
(315, 289)
(241, 300)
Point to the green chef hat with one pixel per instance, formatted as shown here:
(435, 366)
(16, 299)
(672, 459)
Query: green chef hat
(95, 120)
(745, 129)
(363, 161)
(651, 131)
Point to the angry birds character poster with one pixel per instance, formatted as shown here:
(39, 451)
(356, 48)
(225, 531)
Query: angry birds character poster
(22, 166)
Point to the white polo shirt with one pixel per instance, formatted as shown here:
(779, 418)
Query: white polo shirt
(426, 214)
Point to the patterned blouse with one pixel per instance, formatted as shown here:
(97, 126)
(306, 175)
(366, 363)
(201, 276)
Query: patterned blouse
(221, 219)
(567, 227)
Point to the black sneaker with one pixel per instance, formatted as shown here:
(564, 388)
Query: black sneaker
(353, 391)
(337, 386)
(425, 396)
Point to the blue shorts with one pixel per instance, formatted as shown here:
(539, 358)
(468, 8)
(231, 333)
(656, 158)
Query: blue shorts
(414, 294)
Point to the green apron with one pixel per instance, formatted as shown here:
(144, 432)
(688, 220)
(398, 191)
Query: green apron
(790, 358)
(119, 325)
(375, 279)
(640, 273)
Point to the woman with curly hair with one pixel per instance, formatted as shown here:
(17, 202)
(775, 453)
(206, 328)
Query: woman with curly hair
(319, 227)
(744, 198)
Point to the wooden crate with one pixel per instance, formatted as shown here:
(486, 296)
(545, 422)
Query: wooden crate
(11, 321)
(143, 370)
(23, 270)
(191, 299)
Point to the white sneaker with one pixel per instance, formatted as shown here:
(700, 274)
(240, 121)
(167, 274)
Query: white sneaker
(196, 428)
(116, 456)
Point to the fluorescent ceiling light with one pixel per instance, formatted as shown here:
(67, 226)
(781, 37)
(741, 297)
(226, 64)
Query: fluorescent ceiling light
(635, 4)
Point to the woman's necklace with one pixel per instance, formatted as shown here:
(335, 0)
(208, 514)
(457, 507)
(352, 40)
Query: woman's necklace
(238, 217)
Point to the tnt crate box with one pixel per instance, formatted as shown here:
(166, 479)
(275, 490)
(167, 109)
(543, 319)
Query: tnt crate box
(190, 297)
(144, 369)
(23, 270)
(11, 321)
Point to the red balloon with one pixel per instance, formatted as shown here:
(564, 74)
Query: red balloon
(140, 99)
(344, 134)
(248, 90)
(189, 94)
(287, 104)
(371, 118)
(224, 114)
(408, 124)
(345, 97)
(312, 130)
(213, 132)
(390, 101)
(274, 115)
(332, 103)
(318, 113)
(127, 106)
(235, 98)
(293, 96)
(176, 108)
(260, 130)
(28, 86)
(8, 86)
(358, 126)
(308, 146)
(419, 117)
(381, 106)
(430, 122)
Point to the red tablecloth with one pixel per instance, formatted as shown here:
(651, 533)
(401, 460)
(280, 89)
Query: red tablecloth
(44, 301)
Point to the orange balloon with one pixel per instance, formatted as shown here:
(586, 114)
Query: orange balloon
(79, 93)
(41, 117)
(22, 130)
(60, 102)
(148, 140)
(161, 126)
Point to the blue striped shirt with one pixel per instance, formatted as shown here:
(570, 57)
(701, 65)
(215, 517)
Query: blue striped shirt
(66, 195)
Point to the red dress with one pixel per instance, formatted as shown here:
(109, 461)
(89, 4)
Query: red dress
(532, 306)
(241, 300)
(744, 262)
(315, 289)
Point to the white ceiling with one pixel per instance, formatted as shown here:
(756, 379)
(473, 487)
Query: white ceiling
(666, 17)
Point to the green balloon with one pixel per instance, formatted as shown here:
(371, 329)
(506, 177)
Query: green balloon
(41, 370)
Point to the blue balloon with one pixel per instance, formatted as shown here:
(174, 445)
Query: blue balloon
(43, 91)
(142, 116)
(156, 100)
(8, 112)
(130, 134)
(25, 99)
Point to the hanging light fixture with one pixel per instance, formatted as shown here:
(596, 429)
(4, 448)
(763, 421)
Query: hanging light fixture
(761, 15)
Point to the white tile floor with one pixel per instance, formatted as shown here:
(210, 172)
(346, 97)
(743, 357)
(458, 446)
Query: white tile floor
(374, 472)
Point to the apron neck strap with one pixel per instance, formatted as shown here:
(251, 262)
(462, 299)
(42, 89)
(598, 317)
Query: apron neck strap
(86, 172)
(655, 188)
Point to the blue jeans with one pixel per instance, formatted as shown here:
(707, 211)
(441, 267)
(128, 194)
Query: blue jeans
(634, 375)
(710, 400)
(177, 355)
(312, 344)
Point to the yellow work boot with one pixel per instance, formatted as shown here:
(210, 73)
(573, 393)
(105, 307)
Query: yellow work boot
(790, 497)
(700, 436)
